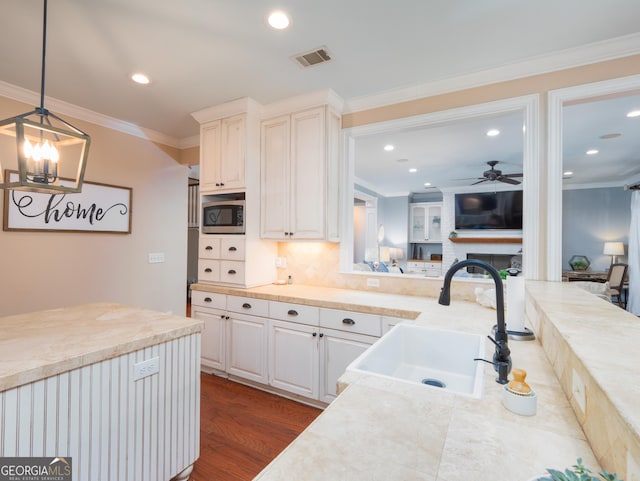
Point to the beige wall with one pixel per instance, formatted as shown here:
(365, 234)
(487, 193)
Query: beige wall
(42, 270)
(319, 264)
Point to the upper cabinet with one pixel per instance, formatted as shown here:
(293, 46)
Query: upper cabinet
(300, 175)
(425, 219)
(223, 154)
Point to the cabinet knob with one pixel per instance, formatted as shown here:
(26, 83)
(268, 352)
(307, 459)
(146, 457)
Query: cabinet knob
(232, 249)
(322, 334)
(207, 299)
(348, 321)
(226, 317)
(222, 316)
(208, 248)
(217, 184)
(291, 312)
(231, 271)
(208, 270)
(246, 305)
(221, 184)
(314, 334)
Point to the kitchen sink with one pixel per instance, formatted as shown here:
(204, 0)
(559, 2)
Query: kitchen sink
(436, 358)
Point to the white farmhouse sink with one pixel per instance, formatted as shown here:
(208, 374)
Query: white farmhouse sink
(439, 359)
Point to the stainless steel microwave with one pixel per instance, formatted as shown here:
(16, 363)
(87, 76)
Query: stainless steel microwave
(223, 217)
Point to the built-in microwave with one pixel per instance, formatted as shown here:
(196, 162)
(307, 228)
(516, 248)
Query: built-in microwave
(223, 217)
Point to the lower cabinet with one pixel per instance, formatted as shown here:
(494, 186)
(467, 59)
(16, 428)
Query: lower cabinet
(293, 358)
(299, 349)
(337, 351)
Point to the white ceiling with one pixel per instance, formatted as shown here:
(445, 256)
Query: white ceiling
(200, 53)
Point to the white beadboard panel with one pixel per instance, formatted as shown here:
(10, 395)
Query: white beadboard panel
(114, 428)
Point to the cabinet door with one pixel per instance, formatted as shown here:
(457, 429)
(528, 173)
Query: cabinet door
(293, 358)
(210, 156)
(247, 347)
(232, 152)
(337, 351)
(274, 175)
(418, 232)
(433, 221)
(308, 175)
(213, 336)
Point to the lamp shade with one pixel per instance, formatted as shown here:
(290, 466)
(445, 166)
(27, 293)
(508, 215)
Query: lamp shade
(396, 253)
(385, 254)
(613, 249)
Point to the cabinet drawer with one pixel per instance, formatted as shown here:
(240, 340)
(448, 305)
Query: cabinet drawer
(209, 247)
(415, 265)
(232, 249)
(232, 272)
(208, 270)
(357, 322)
(248, 305)
(208, 299)
(298, 313)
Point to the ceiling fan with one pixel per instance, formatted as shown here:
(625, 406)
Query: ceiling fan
(494, 174)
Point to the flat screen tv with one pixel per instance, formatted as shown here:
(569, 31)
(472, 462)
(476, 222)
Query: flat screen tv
(489, 210)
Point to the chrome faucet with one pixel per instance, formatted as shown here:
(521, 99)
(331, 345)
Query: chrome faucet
(502, 355)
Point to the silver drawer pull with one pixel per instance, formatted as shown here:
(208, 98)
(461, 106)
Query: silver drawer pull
(208, 248)
(231, 271)
(232, 249)
(348, 321)
(291, 312)
(208, 269)
(207, 299)
(246, 305)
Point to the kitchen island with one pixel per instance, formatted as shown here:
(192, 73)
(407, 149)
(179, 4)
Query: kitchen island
(388, 430)
(116, 388)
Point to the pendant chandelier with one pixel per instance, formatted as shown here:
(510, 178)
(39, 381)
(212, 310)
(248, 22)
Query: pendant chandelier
(47, 149)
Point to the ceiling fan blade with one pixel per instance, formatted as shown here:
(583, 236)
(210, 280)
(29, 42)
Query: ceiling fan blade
(512, 175)
(480, 182)
(506, 180)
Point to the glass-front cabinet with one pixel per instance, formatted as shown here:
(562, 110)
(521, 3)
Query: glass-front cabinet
(425, 218)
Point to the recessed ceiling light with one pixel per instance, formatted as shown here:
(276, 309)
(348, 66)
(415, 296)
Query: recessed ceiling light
(140, 78)
(592, 152)
(427, 184)
(634, 113)
(413, 169)
(278, 20)
(567, 173)
(493, 132)
(389, 147)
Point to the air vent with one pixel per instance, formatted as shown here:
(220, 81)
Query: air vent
(314, 57)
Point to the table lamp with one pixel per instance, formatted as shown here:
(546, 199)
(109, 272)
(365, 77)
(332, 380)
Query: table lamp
(613, 249)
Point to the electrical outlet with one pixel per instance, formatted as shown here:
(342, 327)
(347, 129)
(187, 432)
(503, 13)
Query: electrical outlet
(373, 282)
(156, 257)
(278, 261)
(578, 391)
(146, 368)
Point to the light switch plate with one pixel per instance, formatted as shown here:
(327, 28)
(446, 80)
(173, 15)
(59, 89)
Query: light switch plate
(373, 282)
(156, 257)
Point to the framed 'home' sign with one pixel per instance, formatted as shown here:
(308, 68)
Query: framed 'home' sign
(98, 208)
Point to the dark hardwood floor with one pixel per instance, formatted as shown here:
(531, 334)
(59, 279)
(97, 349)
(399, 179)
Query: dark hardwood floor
(242, 429)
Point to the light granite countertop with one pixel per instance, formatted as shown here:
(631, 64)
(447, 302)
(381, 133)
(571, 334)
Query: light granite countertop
(41, 344)
(379, 429)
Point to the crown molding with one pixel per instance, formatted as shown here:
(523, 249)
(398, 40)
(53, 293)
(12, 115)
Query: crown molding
(563, 59)
(61, 107)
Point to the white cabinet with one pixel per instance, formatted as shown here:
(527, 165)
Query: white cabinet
(337, 350)
(425, 219)
(310, 350)
(222, 154)
(210, 308)
(425, 268)
(293, 358)
(247, 338)
(300, 176)
(221, 259)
